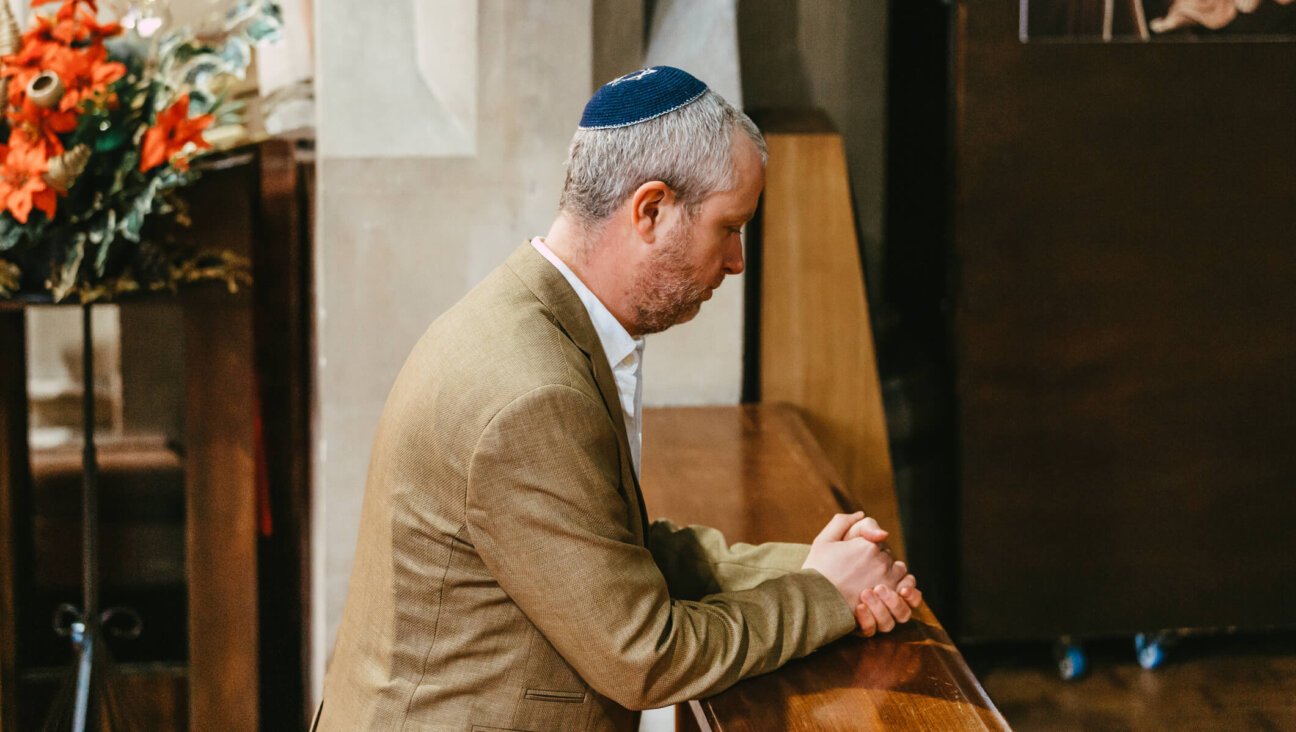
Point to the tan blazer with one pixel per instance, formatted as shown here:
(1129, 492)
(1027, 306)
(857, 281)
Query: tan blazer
(505, 576)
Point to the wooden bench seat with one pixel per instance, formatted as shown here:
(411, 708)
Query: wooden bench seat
(756, 473)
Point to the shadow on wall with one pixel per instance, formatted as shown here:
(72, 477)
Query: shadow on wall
(773, 70)
(828, 55)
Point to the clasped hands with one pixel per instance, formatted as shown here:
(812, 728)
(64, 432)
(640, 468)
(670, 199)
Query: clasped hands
(849, 553)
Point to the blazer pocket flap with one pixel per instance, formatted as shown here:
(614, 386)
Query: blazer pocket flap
(571, 697)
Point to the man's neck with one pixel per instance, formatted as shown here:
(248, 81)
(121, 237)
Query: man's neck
(593, 257)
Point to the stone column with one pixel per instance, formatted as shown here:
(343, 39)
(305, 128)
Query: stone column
(443, 127)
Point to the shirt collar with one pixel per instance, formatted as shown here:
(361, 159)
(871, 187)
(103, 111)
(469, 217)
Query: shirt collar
(617, 342)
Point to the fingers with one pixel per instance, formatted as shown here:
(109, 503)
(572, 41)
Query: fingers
(913, 597)
(907, 585)
(837, 527)
(908, 589)
(881, 615)
(898, 571)
(863, 616)
(896, 604)
(867, 528)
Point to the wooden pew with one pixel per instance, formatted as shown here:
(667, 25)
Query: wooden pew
(756, 473)
(815, 337)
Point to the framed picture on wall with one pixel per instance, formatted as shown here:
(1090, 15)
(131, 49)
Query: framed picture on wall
(1099, 21)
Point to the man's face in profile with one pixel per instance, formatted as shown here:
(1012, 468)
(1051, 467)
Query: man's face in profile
(699, 250)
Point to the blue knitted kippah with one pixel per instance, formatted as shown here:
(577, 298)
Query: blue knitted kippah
(640, 96)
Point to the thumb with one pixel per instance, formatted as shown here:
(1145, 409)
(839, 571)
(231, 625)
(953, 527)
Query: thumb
(836, 528)
(869, 530)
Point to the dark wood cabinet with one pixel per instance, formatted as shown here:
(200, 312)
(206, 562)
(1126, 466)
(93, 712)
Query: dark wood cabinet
(1124, 303)
(211, 534)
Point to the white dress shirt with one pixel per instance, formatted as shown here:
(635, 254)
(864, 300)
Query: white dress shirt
(624, 352)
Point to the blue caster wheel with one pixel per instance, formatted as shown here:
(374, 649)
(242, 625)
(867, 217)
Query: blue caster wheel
(1152, 648)
(1071, 660)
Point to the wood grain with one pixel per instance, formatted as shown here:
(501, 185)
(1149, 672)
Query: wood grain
(816, 341)
(221, 513)
(281, 262)
(220, 472)
(1238, 682)
(153, 696)
(1124, 234)
(14, 504)
(754, 473)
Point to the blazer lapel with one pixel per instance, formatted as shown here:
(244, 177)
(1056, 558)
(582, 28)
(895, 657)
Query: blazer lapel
(555, 293)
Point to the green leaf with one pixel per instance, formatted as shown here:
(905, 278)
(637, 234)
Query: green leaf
(140, 208)
(200, 102)
(131, 224)
(237, 54)
(11, 232)
(129, 164)
(66, 277)
(106, 233)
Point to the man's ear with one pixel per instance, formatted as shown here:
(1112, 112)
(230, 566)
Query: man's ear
(647, 208)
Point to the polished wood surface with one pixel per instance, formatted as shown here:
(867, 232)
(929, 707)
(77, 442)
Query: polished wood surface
(1124, 304)
(281, 263)
(141, 526)
(246, 356)
(739, 470)
(154, 695)
(247, 362)
(220, 474)
(1231, 682)
(755, 472)
(14, 503)
(221, 510)
(816, 341)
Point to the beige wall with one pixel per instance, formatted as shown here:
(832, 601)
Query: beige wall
(831, 55)
(407, 225)
(699, 362)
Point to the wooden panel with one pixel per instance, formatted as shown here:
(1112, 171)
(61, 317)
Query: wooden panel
(157, 695)
(750, 459)
(14, 506)
(1125, 346)
(912, 678)
(154, 696)
(220, 470)
(141, 518)
(816, 342)
(221, 512)
(281, 262)
(755, 473)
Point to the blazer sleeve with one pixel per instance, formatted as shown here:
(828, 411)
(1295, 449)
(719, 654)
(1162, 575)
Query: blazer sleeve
(697, 561)
(546, 516)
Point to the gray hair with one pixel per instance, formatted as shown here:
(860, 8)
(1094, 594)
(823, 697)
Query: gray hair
(688, 149)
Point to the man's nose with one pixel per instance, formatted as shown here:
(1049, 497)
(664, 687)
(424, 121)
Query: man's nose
(733, 263)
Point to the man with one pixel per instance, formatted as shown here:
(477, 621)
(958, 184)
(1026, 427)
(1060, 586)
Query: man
(506, 576)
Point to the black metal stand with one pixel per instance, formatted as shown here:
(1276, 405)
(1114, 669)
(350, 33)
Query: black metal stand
(88, 695)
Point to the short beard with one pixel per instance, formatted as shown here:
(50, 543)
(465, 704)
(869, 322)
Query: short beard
(667, 293)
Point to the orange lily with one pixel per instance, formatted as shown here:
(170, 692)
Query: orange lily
(83, 27)
(171, 133)
(21, 184)
(69, 6)
(85, 73)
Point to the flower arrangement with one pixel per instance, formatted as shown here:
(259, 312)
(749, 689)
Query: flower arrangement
(100, 125)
